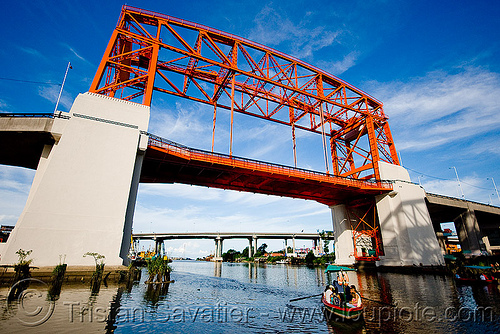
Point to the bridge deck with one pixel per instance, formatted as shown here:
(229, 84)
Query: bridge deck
(168, 162)
(229, 235)
(23, 138)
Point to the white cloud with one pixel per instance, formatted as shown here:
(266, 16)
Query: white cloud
(180, 191)
(4, 107)
(230, 211)
(474, 188)
(191, 125)
(442, 107)
(273, 29)
(263, 142)
(32, 52)
(188, 125)
(183, 208)
(339, 67)
(15, 184)
(77, 54)
(51, 93)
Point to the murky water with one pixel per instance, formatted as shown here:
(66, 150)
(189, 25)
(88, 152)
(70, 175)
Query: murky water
(248, 298)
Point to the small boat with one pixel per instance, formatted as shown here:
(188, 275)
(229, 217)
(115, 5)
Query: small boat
(339, 310)
(465, 280)
(480, 275)
(349, 313)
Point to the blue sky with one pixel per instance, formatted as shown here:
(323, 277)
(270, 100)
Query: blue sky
(434, 64)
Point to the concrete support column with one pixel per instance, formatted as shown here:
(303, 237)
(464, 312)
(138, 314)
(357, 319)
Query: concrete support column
(218, 249)
(286, 248)
(83, 194)
(250, 252)
(255, 244)
(320, 249)
(408, 235)
(344, 246)
(158, 243)
(293, 246)
(442, 242)
(469, 233)
(487, 245)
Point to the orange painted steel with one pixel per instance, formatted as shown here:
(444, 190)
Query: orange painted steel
(166, 161)
(364, 224)
(150, 52)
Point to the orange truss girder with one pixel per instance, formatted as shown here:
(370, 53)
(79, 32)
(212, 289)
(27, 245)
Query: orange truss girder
(362, 217)
(150, 52)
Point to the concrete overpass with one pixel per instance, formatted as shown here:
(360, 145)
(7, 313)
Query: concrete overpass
(23, 137)
(477, 224)
(218, 237)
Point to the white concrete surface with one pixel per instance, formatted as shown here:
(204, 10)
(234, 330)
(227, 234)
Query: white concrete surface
(408, 236)
(407, 232)
(85, 186)
(344, 246)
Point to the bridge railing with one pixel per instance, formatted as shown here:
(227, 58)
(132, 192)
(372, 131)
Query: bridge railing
(246, 163)
(34, 115)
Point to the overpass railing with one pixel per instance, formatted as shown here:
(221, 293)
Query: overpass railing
(246, 163)
(34, 115)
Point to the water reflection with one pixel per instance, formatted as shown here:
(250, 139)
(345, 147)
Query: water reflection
(113, 311)
(255, 298)
(217, 269)
(252, 271)
(155, 292)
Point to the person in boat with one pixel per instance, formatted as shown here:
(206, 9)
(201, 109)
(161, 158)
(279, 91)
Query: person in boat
(484, 277)
(328, 293)
(347, 295)
(355, 297)
(339, 283)
(345, 279)
(337, 299)
(347, 291)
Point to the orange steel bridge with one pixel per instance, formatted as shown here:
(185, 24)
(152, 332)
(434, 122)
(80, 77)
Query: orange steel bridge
(152, 52)
(169, 162)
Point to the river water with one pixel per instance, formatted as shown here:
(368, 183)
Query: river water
(212, 297)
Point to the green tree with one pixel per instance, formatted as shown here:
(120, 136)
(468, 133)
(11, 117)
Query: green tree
(244, 252)
(310, 258)
(231, 255)
(261, 250)
(326, 241)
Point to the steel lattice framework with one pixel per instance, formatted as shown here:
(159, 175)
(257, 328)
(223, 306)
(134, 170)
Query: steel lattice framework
(150, 52)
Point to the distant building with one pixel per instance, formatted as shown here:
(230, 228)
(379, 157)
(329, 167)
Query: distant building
(274, 254)
(5, 231)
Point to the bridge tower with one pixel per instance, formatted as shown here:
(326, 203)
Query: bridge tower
(83, 194)
(401, 220)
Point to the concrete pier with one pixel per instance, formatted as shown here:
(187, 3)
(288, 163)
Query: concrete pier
(83, 193)
(408, 235)
(344, 247)
(218, 249)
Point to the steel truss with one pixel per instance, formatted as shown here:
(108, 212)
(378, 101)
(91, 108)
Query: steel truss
(150, 52)
(367, 238)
